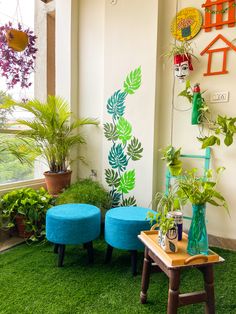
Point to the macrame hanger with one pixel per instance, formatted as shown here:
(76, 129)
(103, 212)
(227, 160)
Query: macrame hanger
(18, 15)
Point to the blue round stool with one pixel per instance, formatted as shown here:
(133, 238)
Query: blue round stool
(122, 227)
(73, 224)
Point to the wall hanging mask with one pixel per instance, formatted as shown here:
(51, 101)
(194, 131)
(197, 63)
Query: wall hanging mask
(182, 66)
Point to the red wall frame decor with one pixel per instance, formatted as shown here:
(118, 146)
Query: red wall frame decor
(219, 15)
(210, 52)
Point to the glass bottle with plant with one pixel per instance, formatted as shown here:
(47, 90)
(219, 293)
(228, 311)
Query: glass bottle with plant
(199, 191)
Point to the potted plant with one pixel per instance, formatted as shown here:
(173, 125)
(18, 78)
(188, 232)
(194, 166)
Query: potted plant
(87, 191)
(17, 54)
(51, 134)
(182, 54)
(168, 234)
(171, 156)
(26, 209)
(199, 191)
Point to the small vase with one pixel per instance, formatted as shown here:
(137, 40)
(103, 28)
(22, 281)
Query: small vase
(197, 236)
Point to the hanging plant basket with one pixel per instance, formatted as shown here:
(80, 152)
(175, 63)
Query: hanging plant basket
(17, 55)
(17, 40)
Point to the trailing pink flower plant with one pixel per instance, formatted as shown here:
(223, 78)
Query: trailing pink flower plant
(15, 66)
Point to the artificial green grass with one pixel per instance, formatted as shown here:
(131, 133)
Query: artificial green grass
(31, 283)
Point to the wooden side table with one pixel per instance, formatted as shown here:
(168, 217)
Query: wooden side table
(172, 264)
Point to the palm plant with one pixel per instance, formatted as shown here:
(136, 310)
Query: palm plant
(51, 131)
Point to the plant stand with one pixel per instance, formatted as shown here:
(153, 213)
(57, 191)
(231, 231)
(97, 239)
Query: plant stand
(164, 261)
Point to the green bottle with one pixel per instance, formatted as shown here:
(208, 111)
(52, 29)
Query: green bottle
(197, 104)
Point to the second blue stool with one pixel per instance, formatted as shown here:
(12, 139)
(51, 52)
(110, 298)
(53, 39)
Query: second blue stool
(122, 227)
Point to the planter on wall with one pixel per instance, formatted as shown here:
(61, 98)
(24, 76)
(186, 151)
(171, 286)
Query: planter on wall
(57, 182)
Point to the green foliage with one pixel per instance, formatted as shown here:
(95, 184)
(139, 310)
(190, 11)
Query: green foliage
(115, 104)
(135, 149)
(124, 130)
(87, 192)
(187, 92)
(171, 156)
(222, 126)
(133, 81)
(198, 190)
(116, 197)
(110, 132)
(51, 132)
(127, 182)
(162, 220)
(183, 48)
(117, 158)
(30, 203)
(164, 202)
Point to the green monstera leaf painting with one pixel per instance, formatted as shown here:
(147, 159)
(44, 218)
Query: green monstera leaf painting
(125, 147)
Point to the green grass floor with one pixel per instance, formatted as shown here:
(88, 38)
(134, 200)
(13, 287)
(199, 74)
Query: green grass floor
(30, 282)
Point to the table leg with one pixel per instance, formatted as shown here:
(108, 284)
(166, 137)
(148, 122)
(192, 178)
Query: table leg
(89, 247)
(145, 276)
(209, 288)
(173, 295)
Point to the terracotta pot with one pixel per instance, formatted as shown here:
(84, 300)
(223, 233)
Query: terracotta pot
(57, 182)
(17, 40)
(20, 224)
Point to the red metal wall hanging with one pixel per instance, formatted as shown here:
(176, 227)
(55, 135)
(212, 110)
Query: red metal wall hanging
(215, 14)
(209, 50)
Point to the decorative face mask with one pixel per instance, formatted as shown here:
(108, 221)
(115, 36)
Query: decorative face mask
(182, 65)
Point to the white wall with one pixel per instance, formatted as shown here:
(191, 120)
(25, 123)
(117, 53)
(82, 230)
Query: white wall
(184, 134)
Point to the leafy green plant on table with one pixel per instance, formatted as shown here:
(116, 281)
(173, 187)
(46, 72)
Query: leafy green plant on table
(161, 220)
(171, 156)
(196, 190)
(222, 126)
(87, 191)
(125, 147)
(32, 205)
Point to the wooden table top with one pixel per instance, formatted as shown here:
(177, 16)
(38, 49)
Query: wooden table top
(180, 258)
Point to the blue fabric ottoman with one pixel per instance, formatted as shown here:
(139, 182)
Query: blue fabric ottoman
(122, 227)
(73, 224)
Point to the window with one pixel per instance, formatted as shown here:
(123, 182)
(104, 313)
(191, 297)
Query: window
(11, 169)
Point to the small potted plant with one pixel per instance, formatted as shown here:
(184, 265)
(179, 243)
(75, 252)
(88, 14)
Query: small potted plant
(51, 134)
(182, 54)
(171, 156)
(168, 233)
(199, 191)
(26, 209)
(17, 54)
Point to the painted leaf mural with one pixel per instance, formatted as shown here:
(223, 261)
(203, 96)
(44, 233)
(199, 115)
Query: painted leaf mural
(127, 182)
(133, 81)
(125, 146)
(110, 132)
(124, 130)
(112, 177)
(115, 104)
(135, 149)
(117, 158)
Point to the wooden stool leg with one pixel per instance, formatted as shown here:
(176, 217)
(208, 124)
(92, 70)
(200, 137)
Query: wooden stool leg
(61, 253)
(108, 254)
(134, 258)
(173, 296)
(89, 247)
(55, 248)
(209, 288)
(145, 276)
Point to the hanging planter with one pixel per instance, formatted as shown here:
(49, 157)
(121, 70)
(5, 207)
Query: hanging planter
(17, 55)
(17, 40)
